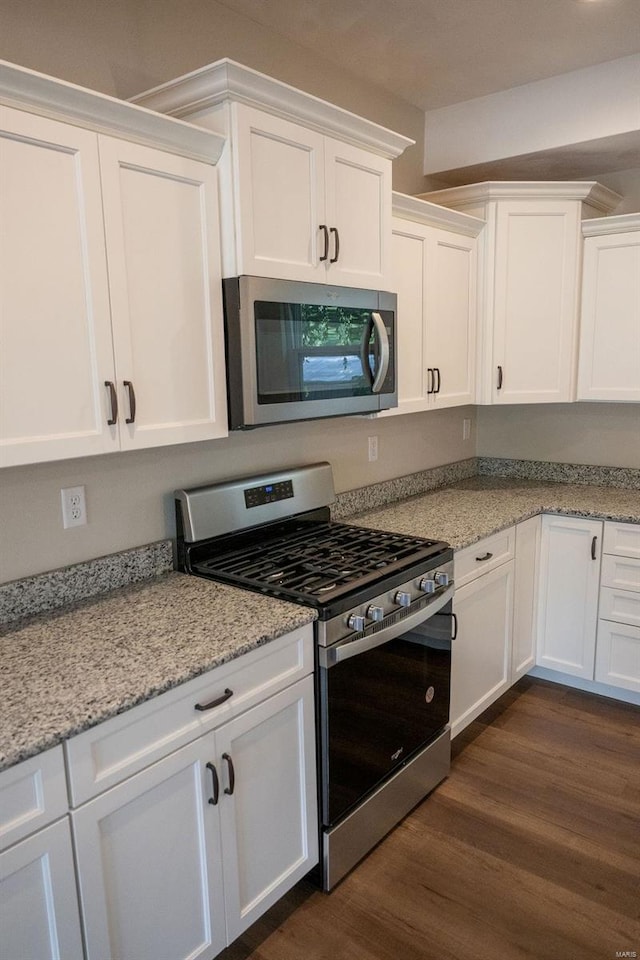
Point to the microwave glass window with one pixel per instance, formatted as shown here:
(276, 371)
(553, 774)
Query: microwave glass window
(312, 352)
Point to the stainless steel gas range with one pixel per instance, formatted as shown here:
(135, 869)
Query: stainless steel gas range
(383, 640)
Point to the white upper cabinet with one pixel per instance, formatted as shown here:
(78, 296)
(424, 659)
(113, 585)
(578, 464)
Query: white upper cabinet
(306, 185)
(609, 367)
(434, 276)
(54, 299)
(162, 235)
(530, 282)
(110, 294)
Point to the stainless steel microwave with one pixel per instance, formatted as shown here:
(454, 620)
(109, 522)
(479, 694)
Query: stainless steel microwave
(301, 351)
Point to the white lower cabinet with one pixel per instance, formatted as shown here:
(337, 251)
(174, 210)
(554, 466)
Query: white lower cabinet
(481, 650)
(177, 860)
(618, 639)
(39, 917)
(525, 595)
(589, 605)
(568, 603)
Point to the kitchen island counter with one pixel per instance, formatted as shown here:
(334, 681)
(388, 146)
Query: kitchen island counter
(69, 670)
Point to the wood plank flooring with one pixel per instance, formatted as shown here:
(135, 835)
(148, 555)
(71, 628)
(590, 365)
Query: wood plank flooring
(530, 850)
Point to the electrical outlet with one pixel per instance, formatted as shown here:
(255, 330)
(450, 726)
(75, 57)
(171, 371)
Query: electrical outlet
(466, 429)
(74, 507)
(373, 449)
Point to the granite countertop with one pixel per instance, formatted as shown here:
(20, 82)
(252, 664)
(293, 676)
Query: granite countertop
(66, 671)
(465, 512)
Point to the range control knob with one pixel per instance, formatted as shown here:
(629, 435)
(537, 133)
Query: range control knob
(375, 613)
(427, 585)
(355, 622)
(442, 579)
(403, 598)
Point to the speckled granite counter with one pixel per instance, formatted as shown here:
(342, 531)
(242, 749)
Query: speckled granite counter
(467, 511)
(64, 672)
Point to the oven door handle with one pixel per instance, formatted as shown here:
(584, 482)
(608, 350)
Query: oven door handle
(330, 656)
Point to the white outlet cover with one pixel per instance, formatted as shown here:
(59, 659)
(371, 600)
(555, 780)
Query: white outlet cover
(74, 507)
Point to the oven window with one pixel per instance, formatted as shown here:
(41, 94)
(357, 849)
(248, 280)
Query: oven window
(379, 708)
(312, 352)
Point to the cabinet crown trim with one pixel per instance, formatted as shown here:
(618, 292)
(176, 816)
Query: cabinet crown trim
(601, 226)
(598, 196)
(34, 92)
(431, 214)
(227, 80)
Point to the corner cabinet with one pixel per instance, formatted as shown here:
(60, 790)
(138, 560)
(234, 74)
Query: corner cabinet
(434, 276)
(609, 366)
(306, 185)
(111, 304)
(529, 283)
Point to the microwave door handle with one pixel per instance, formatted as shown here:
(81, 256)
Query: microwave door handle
(330, 656)
(364, 352)
(385, 353)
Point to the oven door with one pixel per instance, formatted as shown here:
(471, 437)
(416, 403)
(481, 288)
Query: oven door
(382, 698)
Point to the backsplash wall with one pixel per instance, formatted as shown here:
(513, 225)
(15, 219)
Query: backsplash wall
(129, 495)
(605, 434)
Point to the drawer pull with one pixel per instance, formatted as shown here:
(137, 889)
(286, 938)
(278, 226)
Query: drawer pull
(215, 703)
(216, 785)
(232, 774)
(485, 556)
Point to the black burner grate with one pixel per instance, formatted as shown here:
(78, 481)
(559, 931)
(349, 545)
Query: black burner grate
(319, 562)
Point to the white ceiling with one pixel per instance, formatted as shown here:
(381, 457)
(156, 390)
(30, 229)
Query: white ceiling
(433, 53)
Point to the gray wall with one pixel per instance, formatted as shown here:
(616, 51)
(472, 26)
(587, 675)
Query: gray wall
(129, 498)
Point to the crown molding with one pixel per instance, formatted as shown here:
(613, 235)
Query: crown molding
(601, 226)
(225, 80)
(589, 191)
(34, 92)
(433, 215)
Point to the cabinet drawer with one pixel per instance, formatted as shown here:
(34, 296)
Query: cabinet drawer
(483, 556)
(622, 539)
(32, 794)
(620, 572)
(120, 747)
(618, 655)
(620, 605)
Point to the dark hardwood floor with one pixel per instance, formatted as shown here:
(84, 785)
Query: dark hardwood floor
(530, 850)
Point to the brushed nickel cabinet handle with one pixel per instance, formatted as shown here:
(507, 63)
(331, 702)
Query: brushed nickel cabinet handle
(113, 398)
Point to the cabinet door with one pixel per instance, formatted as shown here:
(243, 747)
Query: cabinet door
(408, 243)
(568, 605)
(535, 314)
(450, 315)
(610, 328)
(161, 222)
(525, 596)
(279, 197)
(149, 866)
(618, 655)
(39, 915)
(268, 810)
(358, 211)
(55, 331)
(481, 651)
